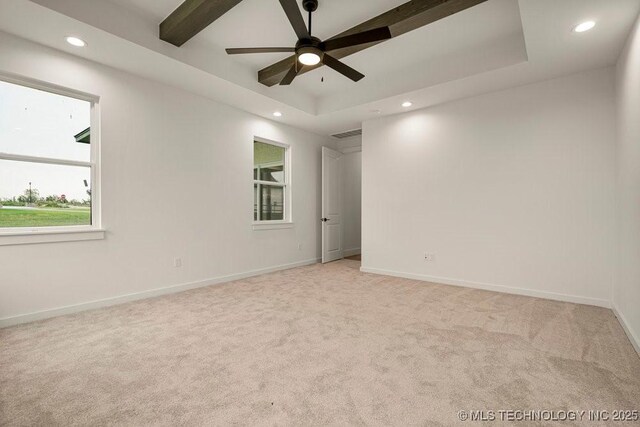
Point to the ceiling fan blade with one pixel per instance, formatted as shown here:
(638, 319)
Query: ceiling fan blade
(375, 35)
(295, 17)
(241, 50)
(342, 68)
(291, 74)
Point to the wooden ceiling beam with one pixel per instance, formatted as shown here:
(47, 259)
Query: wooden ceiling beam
(402, 19)
(191, 17)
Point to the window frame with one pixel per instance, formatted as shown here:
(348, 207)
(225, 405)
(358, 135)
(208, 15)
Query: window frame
(287, 222)
(26, 235)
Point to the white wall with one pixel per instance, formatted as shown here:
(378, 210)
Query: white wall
(176, 182)
(626, 296)
(512, 190)
(351, 174)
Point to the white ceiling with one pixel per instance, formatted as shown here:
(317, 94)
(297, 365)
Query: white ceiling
(492, 46)
(263, 22)
(256, 23)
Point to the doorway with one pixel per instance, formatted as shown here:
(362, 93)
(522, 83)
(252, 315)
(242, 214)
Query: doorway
(342, 193)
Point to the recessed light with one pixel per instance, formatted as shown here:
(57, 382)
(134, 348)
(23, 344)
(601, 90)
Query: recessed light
(75, 41)
(585, 26)
(407, 104)
(277, 114)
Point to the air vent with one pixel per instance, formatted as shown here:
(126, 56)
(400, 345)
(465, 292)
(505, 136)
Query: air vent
(348, 134)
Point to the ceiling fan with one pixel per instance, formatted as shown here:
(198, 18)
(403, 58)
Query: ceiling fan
(311, 50)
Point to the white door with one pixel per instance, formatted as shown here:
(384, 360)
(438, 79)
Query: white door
(331, 206)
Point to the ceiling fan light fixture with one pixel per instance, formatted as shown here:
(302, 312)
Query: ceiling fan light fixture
(309, 58)
(309, 55)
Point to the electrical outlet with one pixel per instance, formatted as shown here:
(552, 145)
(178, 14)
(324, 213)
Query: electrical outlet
(177, 263)
(429, 257)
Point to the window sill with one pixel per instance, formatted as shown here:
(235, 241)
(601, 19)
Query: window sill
(28, 237)
(260, 226)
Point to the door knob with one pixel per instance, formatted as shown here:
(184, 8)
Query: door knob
(325, 219)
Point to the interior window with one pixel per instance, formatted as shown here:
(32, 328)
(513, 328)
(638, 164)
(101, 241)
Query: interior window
(269, 182)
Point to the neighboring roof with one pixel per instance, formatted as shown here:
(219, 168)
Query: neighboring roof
(84, 136)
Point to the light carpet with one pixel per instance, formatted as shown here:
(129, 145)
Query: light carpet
(323, 344)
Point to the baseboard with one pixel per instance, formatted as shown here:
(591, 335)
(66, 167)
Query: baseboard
(633, 337)
(351, 252)
(70, 309)
(492, 287)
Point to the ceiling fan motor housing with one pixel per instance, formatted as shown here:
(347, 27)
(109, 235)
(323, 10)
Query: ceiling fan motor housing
(310, 49)
(311, 45)
(311, 42)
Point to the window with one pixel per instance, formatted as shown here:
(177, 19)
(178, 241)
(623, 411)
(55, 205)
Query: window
(270, 182)
(48, 159)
